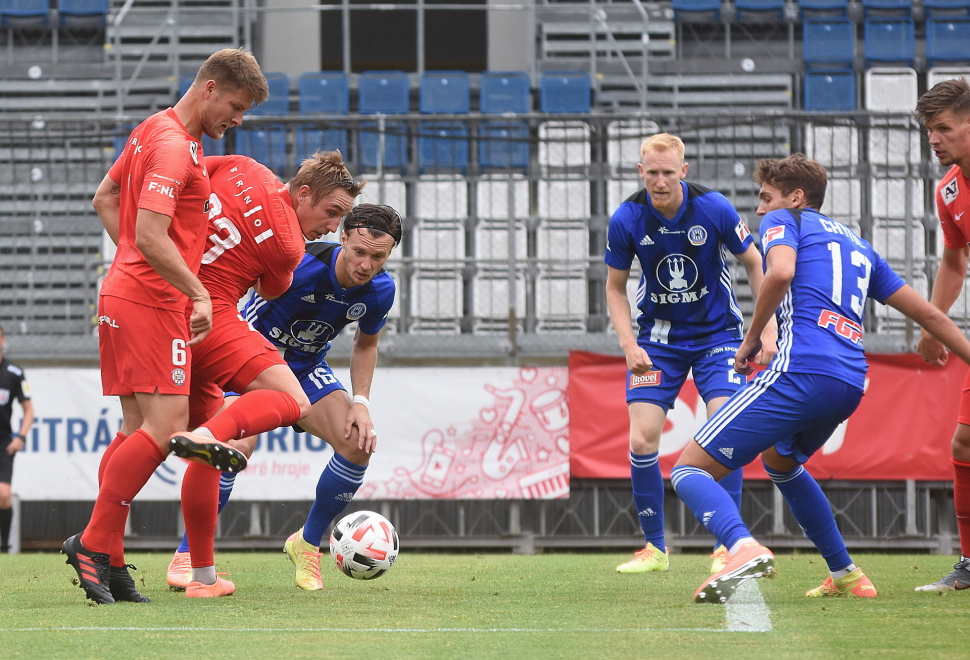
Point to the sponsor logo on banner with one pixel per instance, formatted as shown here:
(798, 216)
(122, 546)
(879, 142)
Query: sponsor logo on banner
(742, 230)
(774, 233)
(697, 235)
(356, 311)
(649, 379)
(950, 192)
(178, 377)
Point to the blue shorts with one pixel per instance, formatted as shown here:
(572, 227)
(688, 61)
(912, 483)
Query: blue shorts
(713, 366)
(317, 382)
(794, 413)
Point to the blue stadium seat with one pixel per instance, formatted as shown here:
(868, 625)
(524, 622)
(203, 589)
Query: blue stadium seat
(323, 92)
(443, 145)
(697, 9)
(503, 145)
(564, 91)
(84, 9)
(830, 91)
(504, 92)
(210, 147)
(21, 9)
(445, 92)
(901, 7)
(266, 144)
(947, 40)
(828, 41)
(395, 145)
(837, 7)
(278, 102)
(758, 10)
(937, 8)
(384, 92)
(326, 92)
(890, 40)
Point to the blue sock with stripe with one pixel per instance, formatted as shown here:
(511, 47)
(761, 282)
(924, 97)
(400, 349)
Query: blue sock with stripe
(814, 513)
(732, 483)
(226, 480)
(336, 487)
(710, 503)
(648, 494)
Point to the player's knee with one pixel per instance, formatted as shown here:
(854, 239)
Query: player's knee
(304, 403)
(354, 454)
(640, 444)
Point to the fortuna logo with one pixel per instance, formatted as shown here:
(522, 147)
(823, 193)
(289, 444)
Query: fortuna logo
(646, 240)
(309, 299)
(727, 451)
(773, 233)
(647, 512)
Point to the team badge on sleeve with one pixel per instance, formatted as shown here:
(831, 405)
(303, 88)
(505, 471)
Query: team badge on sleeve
(774, 233)
(741, 229)
(950, 192)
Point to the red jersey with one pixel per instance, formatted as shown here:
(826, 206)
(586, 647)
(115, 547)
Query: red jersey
(253, 232)
(161, 169)
(952, 201)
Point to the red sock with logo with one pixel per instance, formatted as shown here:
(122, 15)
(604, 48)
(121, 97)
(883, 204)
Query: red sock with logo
(200, 508)
(126, 474)
(254, 413)
(118, 543)
(961, 502)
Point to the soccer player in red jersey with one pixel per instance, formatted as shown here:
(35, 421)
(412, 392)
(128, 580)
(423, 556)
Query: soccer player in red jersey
(154, 204)
(945, 112)
(257, 227)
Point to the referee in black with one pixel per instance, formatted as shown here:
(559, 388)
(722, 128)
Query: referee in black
(13, 385)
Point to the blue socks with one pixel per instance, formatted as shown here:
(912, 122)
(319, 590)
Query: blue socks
(226, 480)
(336, 487)
(648, 494)
(732, 483)
(711, 504)
(814, 513)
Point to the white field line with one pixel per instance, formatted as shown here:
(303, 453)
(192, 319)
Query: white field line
(746, 610)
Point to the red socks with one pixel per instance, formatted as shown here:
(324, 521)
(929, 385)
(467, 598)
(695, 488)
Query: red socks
(200, 508)
(961, 502)
(256, 412)
(132, 465)
(118, 542)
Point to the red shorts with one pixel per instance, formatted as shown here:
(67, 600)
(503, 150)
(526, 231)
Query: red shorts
(964, 416)
(142, 348)
(228, 359)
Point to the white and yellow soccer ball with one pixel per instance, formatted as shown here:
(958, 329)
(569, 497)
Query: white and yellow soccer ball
(364, 545)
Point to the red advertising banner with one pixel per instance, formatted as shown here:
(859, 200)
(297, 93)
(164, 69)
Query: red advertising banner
(901, 430)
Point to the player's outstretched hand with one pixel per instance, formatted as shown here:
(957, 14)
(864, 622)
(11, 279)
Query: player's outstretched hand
(769, 344)
(750, 348)
(638, 362)
(932, 350)
(359, 416)
(201, 320)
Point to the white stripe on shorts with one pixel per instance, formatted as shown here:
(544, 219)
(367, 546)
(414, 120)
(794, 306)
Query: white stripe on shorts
(735, 406)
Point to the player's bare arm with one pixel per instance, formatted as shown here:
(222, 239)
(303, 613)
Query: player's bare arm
(751, 260)
(932, 319)
(161, 253)
(637, 360)
(777, 280)
(946, 288)
(363, 360)
(107, 203)
(17, 443)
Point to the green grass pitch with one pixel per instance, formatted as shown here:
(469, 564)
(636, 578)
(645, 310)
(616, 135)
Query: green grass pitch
(481, 606)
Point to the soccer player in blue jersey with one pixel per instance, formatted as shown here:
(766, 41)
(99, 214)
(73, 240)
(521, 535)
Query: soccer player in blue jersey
(689, 318)
(818, 277)
(334, 285)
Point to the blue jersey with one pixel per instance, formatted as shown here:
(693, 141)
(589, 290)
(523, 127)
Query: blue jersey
(685, 295)
(316, 308)
(820, 318)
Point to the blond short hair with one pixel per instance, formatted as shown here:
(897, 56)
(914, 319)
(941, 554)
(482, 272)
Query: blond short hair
(235, 68)
(662, 143)
(324, 172)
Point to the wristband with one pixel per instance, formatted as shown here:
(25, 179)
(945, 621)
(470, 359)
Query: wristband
(18, 435)
(361, 399)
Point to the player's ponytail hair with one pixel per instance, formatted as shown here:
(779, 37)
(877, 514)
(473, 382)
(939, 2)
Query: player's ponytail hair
(324, 172)
(376, 218)
(796, 172)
